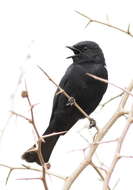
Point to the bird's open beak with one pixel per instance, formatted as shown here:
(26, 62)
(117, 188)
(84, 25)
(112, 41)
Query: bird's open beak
(75, 50)
(71, 48)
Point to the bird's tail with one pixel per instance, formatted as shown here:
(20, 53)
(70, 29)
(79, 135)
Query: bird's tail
(46, 148)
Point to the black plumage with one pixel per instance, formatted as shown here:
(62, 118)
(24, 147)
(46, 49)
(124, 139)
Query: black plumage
(88, 92)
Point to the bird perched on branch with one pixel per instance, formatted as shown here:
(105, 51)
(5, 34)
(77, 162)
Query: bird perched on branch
(85, 90)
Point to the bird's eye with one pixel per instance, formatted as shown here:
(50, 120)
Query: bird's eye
(85, 48)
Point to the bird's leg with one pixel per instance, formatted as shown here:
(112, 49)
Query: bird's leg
(71, 101)
(92, 123)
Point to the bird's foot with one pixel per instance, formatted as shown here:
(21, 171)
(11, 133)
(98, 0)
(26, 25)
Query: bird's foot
(71, 101)
(92, 123)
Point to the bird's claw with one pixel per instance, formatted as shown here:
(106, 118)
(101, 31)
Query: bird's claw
(71, 101)
(92, 123)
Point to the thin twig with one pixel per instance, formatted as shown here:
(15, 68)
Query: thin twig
(54, 134)
(106, 81)
(111, 99)
(32, 114)
(116, 183)
(33, 178)
(22, 116)
(104, 142)
(98, 172)
(11, 169)
(30, 121)
(124, 156)
(19, 168)
(47, 172)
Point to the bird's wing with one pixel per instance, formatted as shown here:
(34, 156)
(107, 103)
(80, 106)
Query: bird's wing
(58, 95)
(63, 84)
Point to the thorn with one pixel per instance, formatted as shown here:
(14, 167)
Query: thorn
(88, 24)
(128, 29)
(107, 18)
(59, 92)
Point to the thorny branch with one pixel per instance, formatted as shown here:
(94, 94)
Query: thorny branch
(11, 169)
(100, 135)
(24, 167)
(39, 141)
(97, 141)
(39, 138)
(90, 20)
(118, 148)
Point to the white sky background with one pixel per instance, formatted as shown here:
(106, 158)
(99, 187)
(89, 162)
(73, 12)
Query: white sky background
(36, 33)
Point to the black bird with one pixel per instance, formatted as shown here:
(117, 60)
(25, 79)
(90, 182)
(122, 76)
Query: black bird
(88, 92)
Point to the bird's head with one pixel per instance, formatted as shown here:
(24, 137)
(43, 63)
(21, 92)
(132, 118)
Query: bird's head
(87, 51)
